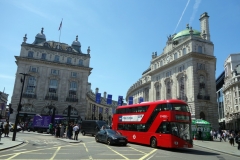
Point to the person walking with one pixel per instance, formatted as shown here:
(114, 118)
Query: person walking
(200, 134)
(6, 129)
(58, 131)
(61, 130)
(237, 140)
(76, 131)
(231, 139)
(1, 129)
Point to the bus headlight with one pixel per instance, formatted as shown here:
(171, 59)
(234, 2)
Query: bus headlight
(176, 142)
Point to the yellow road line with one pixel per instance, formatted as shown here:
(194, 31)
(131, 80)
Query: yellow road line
(39, 150)
(118, 153)
(54, 155)
(13, 156)
(147, 154)
(85, 147)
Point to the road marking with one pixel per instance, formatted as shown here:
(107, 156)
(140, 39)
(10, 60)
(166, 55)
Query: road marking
(20, 150)
(85, 147)
(151, 156)
(13, 156)
(137, 150)
(70, 145)
(90, 157)
(148, 154)
(54, 155)
(118, 153)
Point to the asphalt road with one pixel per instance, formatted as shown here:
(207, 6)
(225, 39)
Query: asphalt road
(38, 146)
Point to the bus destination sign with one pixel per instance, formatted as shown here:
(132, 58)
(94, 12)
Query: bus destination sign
(131, 118)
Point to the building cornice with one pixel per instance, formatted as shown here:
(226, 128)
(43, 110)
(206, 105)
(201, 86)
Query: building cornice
(27, 59)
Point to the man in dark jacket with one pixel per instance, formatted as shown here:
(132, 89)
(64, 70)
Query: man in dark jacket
(237, 140)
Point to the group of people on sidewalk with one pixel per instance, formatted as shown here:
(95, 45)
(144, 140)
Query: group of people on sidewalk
(70, 131)
(4, 129)
(224, 135)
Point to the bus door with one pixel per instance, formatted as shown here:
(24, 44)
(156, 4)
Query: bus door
(163, 134)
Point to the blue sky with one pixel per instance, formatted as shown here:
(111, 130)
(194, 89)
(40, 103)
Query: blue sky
(122, 34)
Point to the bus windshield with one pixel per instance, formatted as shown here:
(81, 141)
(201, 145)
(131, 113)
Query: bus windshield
(178, 129)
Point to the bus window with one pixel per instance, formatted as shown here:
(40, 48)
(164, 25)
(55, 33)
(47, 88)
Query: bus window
(180, 107)
(165, 127)
(164, 107)
(120, 127)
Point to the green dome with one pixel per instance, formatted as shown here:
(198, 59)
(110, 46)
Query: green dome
(186, 33)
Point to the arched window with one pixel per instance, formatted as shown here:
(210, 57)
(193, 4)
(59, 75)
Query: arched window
(202, 85)
(175, 55)
(169, 91)
(182, 88)
(199, 49)
(157, 88)
(184, 51)
(202, 116)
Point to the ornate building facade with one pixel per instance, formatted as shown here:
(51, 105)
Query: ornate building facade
(57, 76)
(102, 110)
(184, 70)
(231, 91)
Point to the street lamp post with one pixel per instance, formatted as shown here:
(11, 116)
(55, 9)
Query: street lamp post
(19, 106)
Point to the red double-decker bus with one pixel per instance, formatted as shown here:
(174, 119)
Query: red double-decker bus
(163, 123)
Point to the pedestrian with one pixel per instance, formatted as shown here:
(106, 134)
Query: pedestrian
(62, 128)
(1, 129)
(237, 140)
(6, 129)
(57, 131)
(231, 139)
(200, 134)
(50, 127)
(76, 131)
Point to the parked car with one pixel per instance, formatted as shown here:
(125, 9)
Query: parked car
(111, 137)
(92, 126)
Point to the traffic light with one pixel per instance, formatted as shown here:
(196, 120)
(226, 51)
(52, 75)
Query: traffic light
(69, 110)
(10, 109)
(19, 107)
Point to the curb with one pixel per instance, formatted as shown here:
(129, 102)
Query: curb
(232, 154)
(12, 146)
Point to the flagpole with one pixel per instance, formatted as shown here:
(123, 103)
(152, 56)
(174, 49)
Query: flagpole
(60, 32)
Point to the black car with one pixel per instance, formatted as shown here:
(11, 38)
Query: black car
(110, 137)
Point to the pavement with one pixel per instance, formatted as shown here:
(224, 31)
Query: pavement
(216, 145)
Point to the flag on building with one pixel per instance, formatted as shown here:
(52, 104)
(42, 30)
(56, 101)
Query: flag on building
(3, 106)
(98, 98)
(60, 26)
(109, 99)
(120, 100)
(130, 100)
(140, 100)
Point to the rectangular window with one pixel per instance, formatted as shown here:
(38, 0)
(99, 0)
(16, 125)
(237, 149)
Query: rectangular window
(31, 85)
(175, 56)
(30, 54)
(33, 69)
(80, 62)
(69, 60)
(54, 72)
(184, 51)
(56, 58)
(73, 74)
(44, 56)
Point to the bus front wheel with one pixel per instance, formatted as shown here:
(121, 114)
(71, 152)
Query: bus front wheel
(153, 142)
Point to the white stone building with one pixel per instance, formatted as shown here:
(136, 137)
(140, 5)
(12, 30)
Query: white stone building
(58, 77)
(184, 70)
(231, 91)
